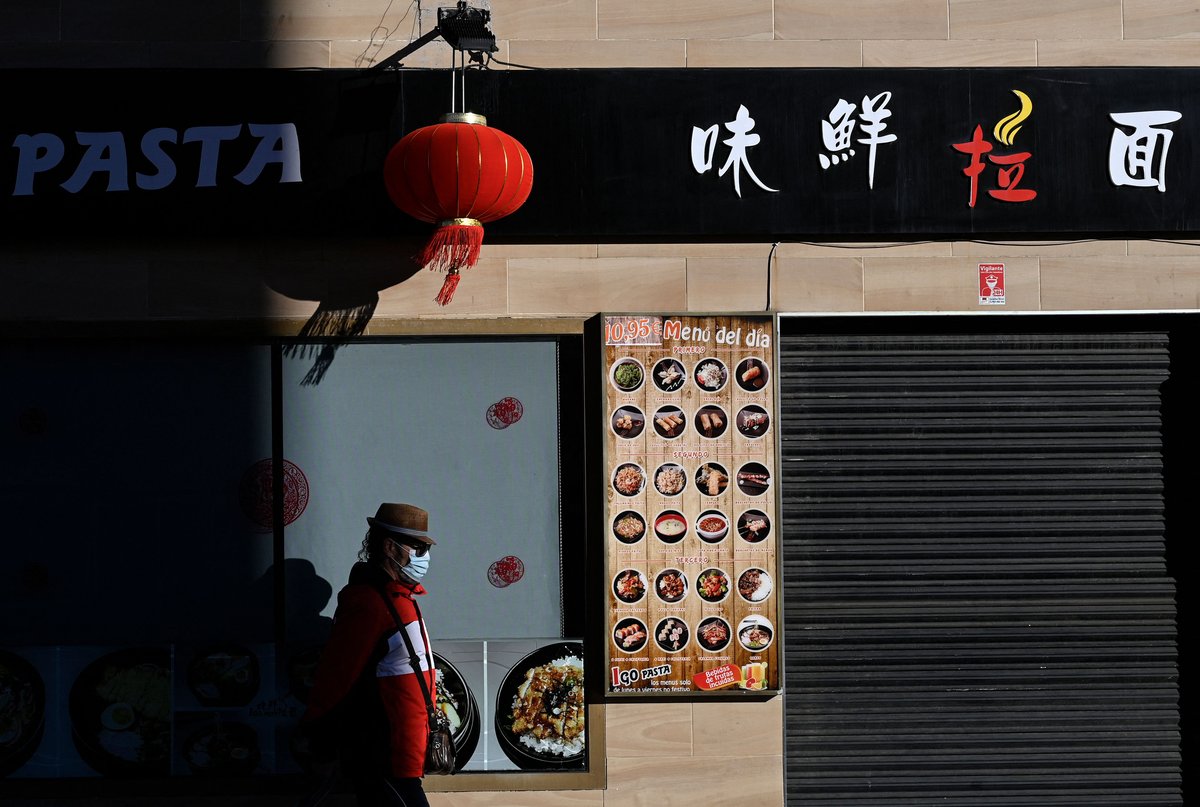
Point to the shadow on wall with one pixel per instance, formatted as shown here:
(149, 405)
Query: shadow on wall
(346, 297)
(77, 34)
(306, 595)
(185, 274)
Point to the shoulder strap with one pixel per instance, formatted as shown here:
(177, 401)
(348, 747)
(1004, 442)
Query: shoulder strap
(412, 651)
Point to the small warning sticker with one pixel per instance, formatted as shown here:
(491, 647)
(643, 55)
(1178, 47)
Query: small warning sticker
(991, 284)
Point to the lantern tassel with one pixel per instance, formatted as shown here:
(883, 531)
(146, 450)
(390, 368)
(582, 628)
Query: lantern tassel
(453, 245)
(448, 286)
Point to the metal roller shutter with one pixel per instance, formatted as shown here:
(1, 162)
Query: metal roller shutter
(977, 604)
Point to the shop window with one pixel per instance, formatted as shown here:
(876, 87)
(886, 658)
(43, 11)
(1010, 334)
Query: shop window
(154, 491)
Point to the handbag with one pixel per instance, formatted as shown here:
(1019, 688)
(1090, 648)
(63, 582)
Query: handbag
(439, 747)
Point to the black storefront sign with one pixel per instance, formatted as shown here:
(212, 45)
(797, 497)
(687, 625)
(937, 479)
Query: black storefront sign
(648, 154)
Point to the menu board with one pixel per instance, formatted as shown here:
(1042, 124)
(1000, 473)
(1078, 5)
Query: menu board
(691, 515)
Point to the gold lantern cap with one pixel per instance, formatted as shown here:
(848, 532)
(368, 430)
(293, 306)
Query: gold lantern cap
(465, 117)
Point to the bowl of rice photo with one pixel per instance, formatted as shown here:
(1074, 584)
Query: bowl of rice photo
(541, 711)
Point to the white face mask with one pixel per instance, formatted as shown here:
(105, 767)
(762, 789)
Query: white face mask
(416, 568)
(417, 565)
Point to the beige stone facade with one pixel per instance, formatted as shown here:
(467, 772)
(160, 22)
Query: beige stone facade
(665, 755)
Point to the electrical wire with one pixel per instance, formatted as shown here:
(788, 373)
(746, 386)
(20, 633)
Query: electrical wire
(380, 28)
(491, 59)
(770, 255)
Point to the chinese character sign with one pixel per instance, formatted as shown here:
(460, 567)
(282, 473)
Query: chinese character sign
(1131, 155)
(1010, 167)
(998, 154)
(704, 142)
(838, 128)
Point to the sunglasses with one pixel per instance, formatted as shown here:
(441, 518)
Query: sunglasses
(414, 549)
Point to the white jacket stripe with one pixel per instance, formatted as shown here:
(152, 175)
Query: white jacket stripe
(397, 661)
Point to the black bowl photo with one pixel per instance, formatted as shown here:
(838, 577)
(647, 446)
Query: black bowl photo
(627, 374)
(712, 585)
(22, 711)
(458, 703)
(540, 709)
(629, 527)
(629, 479)
(755, 633)
(302, 671)
(711, 421)
(670, 585)
(670, 479)
(712, 479)
(712, 526)
(629, 586)
(120, 709)
(754, 584)
(225, 675)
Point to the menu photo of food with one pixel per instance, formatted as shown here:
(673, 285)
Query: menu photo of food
(225, 675)
(671, 634)
(714, 634)
(752, 374)
(628, 422)
(670, 585)
(670, 526)
(629, 635)
(755, 633)
(754, 526)
(629, 586)
(712, 585)
(670, 479)
(669, 375)
(670, 422)
(629, 479)
(712, 526)
(712, 479)
(215, 744)
(754, 585)
(457, 702)
(711, 421)
(629, 527)
(711, 375)
(628, 375)
(301, 669)
(753, 421)
(753, 479)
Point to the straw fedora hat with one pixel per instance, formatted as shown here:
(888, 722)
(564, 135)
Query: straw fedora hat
(402, 519)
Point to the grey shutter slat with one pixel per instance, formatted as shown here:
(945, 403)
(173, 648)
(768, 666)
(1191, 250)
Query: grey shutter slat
(977, 606)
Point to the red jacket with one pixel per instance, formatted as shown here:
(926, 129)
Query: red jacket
(366, 691)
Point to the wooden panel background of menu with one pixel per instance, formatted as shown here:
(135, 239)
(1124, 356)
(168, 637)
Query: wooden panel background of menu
(691, 449)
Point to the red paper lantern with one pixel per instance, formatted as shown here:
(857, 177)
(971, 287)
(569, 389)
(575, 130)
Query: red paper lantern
(458, 174)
